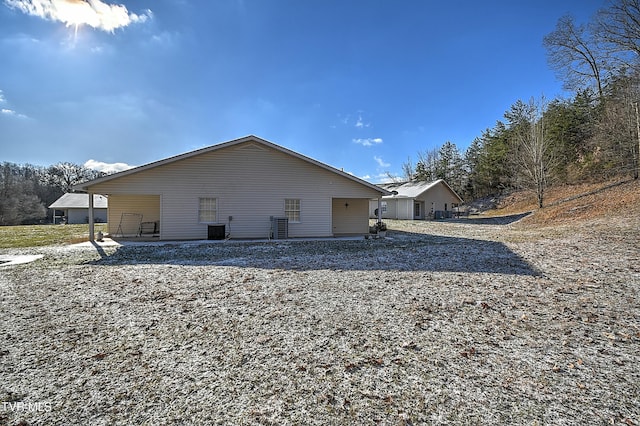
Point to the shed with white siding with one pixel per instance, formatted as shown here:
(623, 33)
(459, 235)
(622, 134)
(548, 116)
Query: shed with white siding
(238, 187)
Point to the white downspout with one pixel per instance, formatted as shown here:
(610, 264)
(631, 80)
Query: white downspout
(91, 224)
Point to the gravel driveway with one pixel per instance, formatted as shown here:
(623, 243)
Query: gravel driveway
(441, 323)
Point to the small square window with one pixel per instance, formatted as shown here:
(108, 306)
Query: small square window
(292, 209)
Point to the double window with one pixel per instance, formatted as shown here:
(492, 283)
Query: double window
(292, 209)
(208, 210)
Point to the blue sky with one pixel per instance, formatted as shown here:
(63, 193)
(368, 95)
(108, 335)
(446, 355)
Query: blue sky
(359, 85)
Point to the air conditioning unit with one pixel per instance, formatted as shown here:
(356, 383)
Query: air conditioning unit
(279, 228)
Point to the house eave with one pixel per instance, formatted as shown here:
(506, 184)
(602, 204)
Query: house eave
(86, 186)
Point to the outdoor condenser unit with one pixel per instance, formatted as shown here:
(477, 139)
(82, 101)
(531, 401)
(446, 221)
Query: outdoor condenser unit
(279, 228)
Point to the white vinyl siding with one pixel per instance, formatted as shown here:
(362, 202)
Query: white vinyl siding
(207, 210)
(434, 198)
(440, 198)
(148, 206)
(292, 210)
(250, 182)
(350, 216)
(82, 215)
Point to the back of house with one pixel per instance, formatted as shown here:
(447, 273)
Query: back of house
(416, 201)
(245, 188)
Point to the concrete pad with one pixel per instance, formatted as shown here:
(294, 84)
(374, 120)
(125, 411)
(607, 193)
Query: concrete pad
(10, 260)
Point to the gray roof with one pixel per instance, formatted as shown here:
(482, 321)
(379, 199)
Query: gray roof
(413, 189)
(79, 201)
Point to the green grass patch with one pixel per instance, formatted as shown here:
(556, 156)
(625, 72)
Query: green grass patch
(45, 235)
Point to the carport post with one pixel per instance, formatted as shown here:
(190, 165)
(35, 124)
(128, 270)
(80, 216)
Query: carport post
(379, 209)
(91, 226)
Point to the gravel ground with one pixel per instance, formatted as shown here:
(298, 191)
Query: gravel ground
(441, 323)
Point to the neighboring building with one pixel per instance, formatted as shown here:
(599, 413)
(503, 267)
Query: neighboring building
(416, 200)
(75, 208)
(245, 188)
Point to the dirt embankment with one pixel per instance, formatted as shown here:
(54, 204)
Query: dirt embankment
(574, 204)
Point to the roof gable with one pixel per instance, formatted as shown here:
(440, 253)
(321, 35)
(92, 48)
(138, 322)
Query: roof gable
(251, 147)
(250, 143)
(79, 201)
(414, 189)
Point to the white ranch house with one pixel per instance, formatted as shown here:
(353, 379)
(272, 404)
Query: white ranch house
(244, 188)
(415, 200)
(75, 208)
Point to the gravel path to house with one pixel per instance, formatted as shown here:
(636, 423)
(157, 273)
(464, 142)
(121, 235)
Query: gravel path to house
(442, 323)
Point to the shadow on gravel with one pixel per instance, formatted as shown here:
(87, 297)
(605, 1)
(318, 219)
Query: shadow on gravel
(498, 220)
(400, 251)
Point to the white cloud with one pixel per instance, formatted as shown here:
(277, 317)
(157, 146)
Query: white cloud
(358, 122)
(368, 141)
(380, 162)
(95, 13)
(361, 124)
(107, 167)
(166, 38)
(8, 111)
(98, 50)
(20, 39)
(384, 178)
(12, 113)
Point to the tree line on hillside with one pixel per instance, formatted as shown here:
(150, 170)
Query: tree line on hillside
(594, 135)
(27, 190)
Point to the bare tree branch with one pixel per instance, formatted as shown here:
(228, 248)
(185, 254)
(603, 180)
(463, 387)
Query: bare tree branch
(575, 56)
(534, 156)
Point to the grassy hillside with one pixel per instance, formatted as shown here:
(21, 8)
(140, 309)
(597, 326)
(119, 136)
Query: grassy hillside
(574, 204)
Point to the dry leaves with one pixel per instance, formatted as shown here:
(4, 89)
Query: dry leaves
(442, 323)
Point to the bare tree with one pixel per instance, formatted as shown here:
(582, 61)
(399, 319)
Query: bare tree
(427, 164)
(534, 156)
(18, 201)
(616, 140)
(66, 175)
(575, 56)
(408, 170)
(393, 178)
(636, 149)
(619, 27)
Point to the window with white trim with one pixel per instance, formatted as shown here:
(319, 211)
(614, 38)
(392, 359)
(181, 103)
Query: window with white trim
(383, 205)
(208, 210)
(292, 209)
